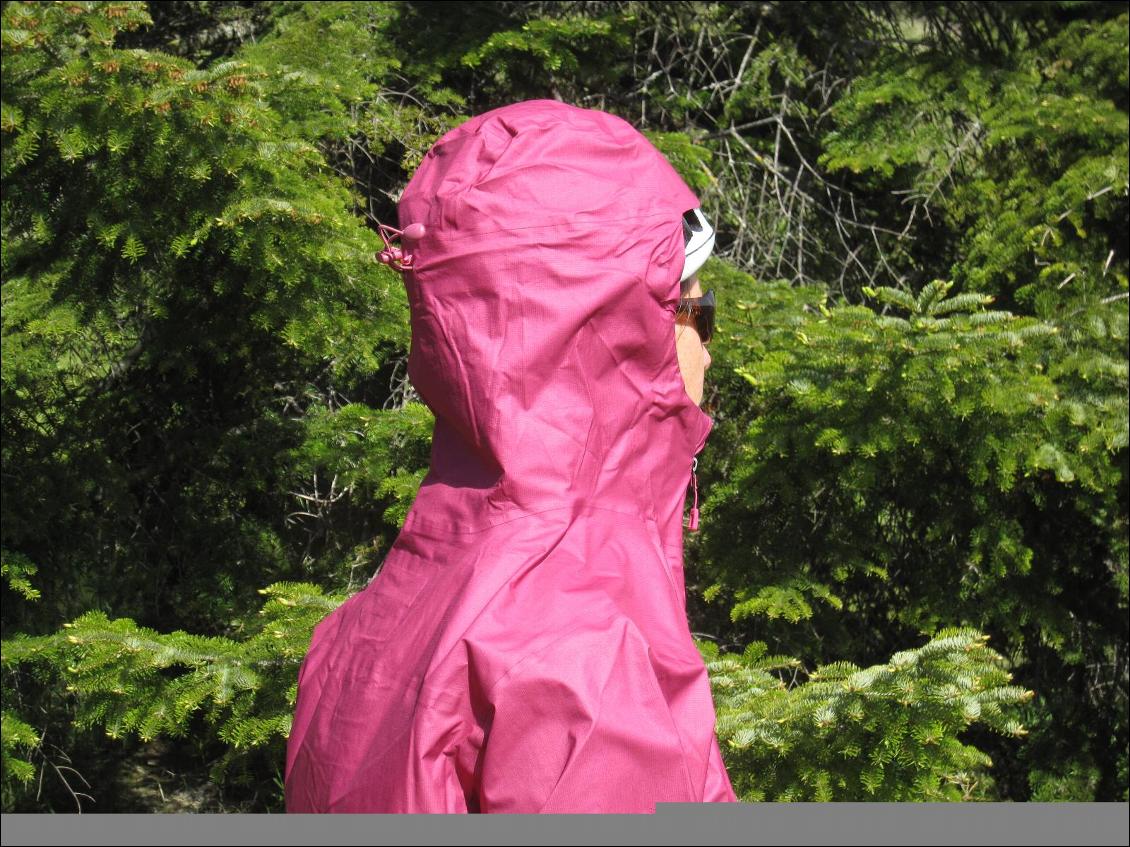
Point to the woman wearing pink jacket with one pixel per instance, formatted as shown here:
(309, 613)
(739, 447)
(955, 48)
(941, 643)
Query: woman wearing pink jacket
(525, 646)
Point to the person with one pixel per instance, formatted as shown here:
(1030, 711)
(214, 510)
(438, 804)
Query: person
(691, 341)
(525, 647)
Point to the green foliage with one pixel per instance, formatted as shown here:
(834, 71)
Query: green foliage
(15, 735)
(888, 733)
(17, 570)
(851, 393)
(180, 263)
(535, 53)
(914, 464)
(163, 226)
(202, 389)
(343, 439)
(692, 161)
(1054, 118)
(373, 460)
(131, 679)
(329, 60)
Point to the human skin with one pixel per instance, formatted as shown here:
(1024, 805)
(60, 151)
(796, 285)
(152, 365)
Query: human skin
(694, 358)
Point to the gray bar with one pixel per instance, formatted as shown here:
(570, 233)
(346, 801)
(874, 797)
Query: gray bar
(673, 823)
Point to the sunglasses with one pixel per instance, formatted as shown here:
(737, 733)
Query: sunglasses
(702, 310)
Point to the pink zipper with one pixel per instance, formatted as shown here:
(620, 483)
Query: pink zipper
(692, 525)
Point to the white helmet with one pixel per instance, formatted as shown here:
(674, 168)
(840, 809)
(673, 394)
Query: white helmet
(698, 236)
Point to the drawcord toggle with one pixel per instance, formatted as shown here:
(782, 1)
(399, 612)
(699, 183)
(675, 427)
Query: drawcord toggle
(392, 255)
(693, 524)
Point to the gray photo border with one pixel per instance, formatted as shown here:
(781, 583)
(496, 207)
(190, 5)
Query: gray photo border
(673, 823)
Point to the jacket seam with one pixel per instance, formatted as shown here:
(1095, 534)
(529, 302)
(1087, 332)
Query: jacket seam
(440, 237)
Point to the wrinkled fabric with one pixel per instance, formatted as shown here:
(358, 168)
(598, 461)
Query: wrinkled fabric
(525, 646)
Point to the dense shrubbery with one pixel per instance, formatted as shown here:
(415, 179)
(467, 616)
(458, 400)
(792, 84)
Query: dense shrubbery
(914, 548)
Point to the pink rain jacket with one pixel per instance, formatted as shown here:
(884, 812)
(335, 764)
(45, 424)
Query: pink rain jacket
(525, 645)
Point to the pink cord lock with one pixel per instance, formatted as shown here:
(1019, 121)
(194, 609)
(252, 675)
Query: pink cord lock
(693, 524)
(392, 255)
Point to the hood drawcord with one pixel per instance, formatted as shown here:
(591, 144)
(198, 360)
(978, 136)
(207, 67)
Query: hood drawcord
(693, 524)
(395, 256)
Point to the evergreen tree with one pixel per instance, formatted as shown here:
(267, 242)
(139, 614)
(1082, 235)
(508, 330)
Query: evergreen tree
(919, 383)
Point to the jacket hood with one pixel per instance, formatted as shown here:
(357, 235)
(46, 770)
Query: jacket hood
(543, 296)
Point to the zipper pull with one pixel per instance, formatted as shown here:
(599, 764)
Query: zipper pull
(693, 524)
